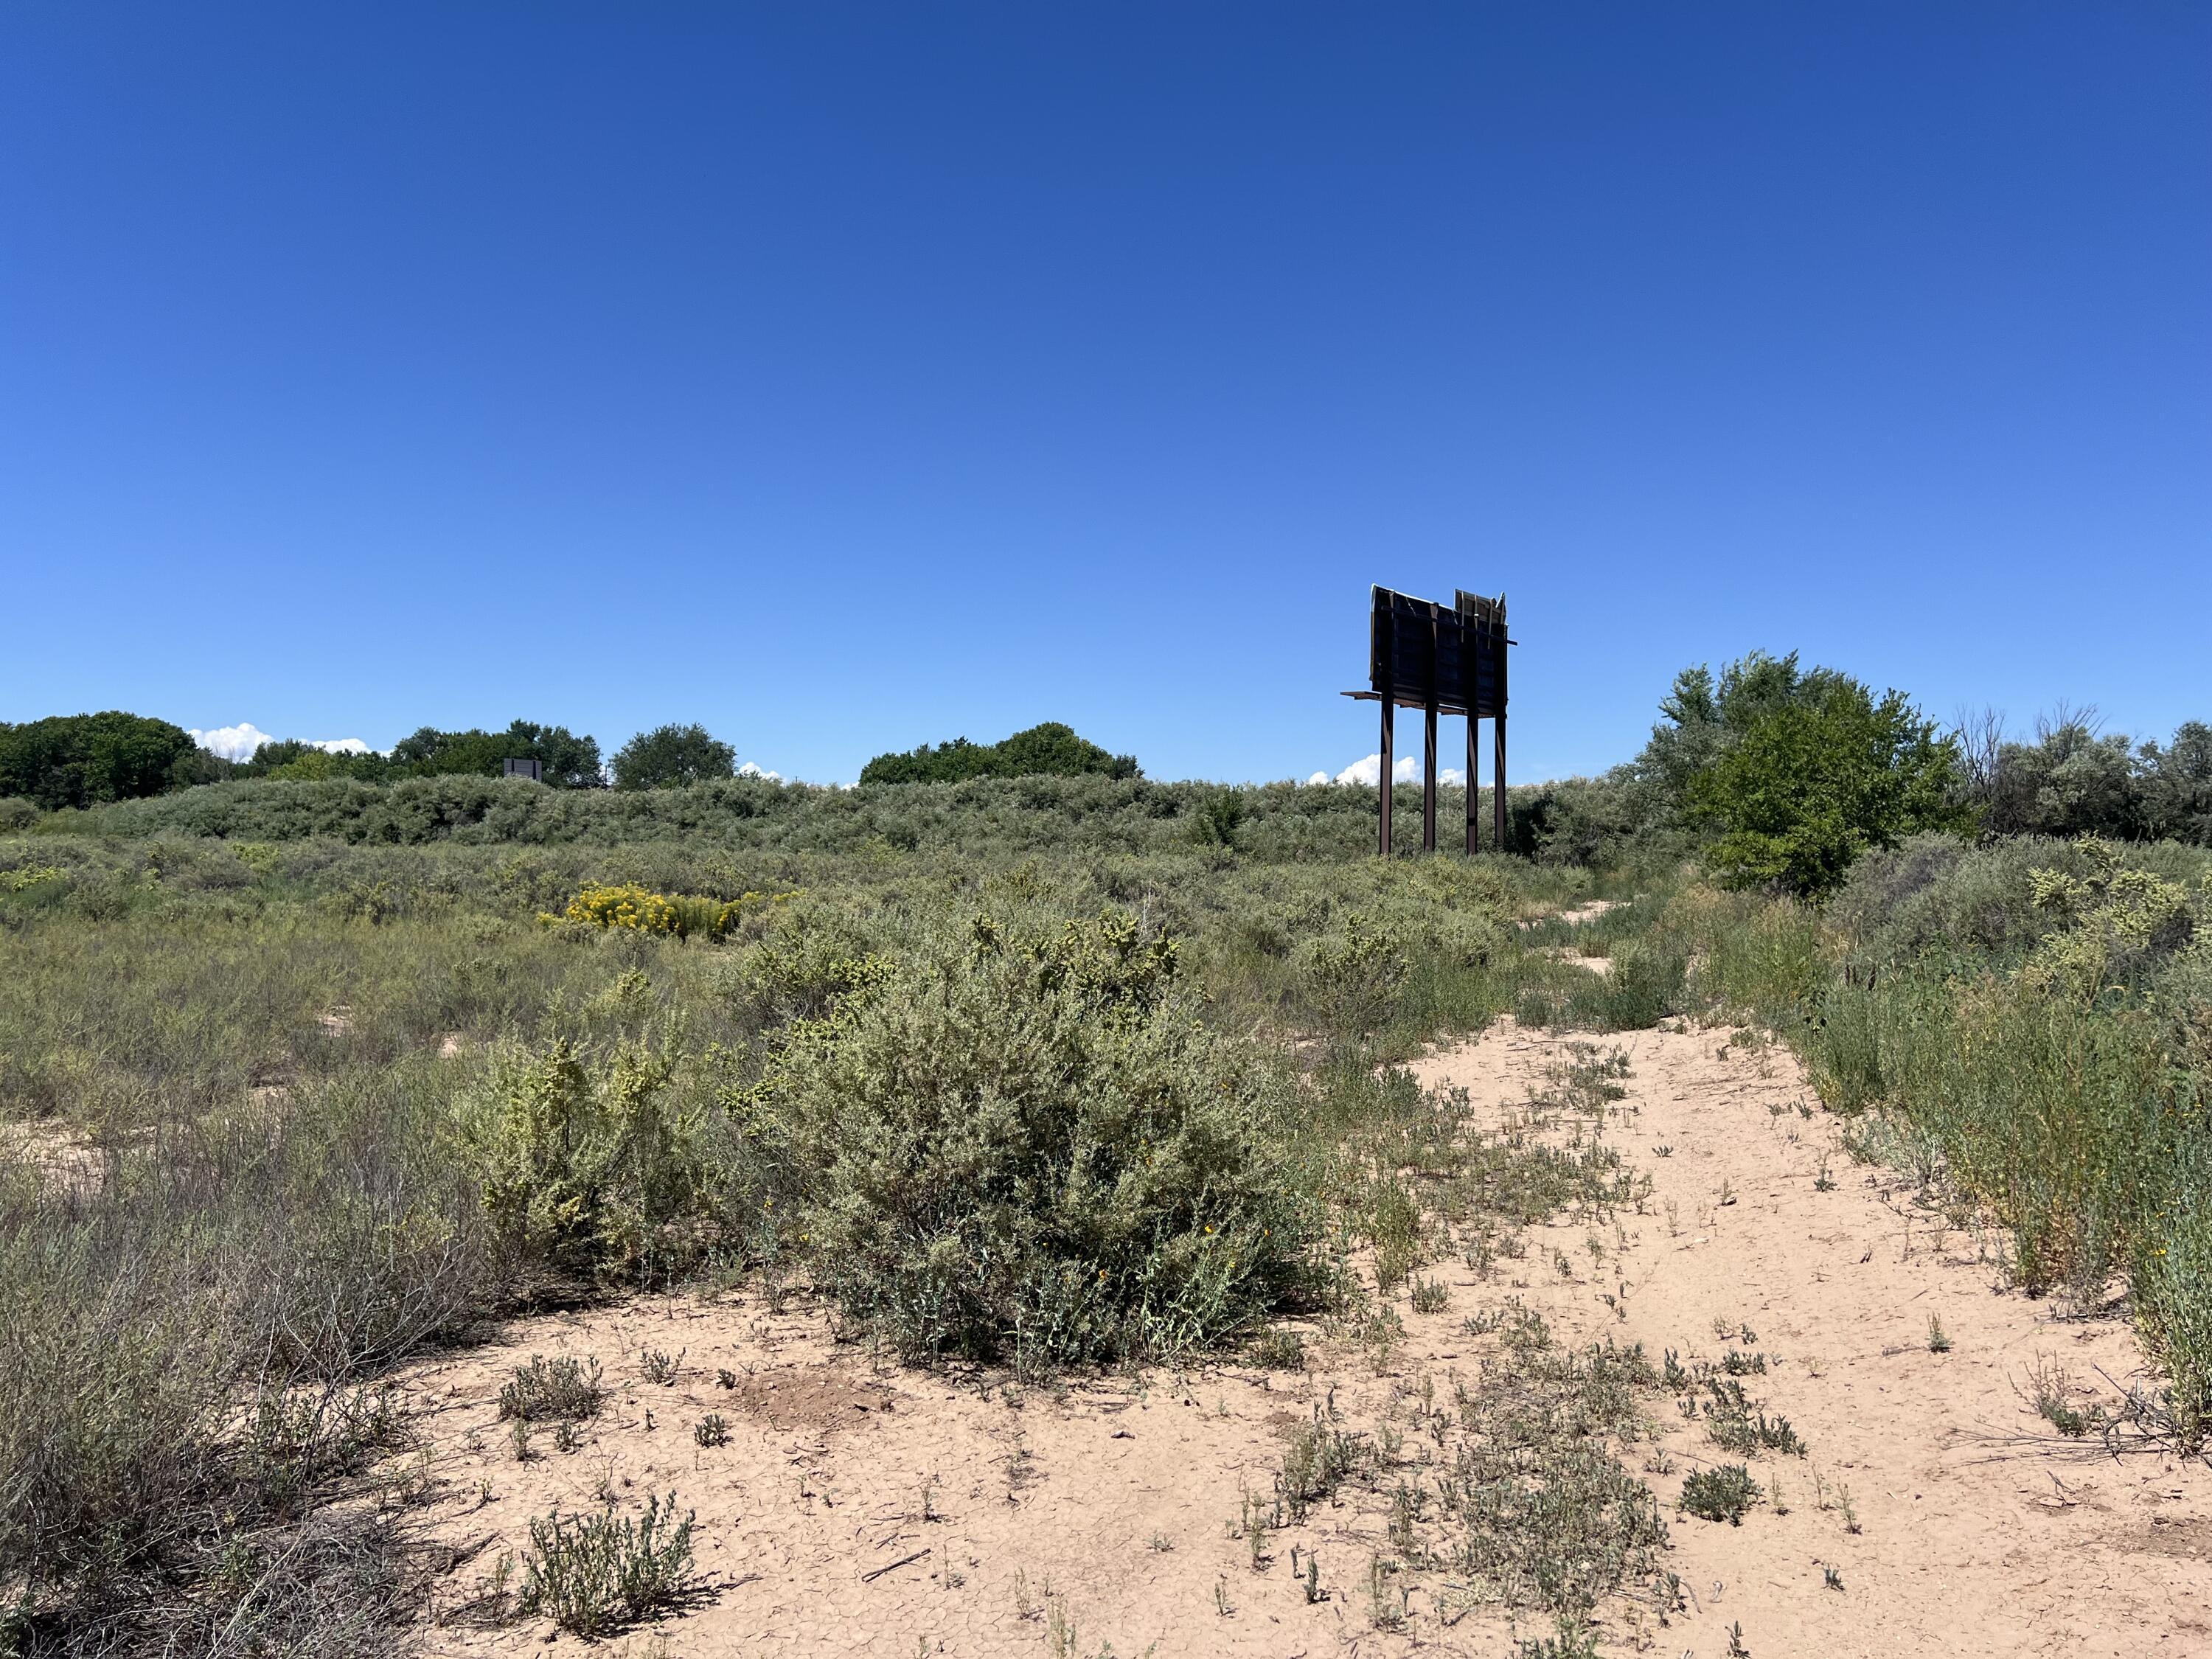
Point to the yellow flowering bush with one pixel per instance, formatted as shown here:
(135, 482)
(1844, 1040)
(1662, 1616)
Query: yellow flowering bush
(638, 908)
(629, 905)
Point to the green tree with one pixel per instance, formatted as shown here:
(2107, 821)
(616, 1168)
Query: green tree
(2177, 784)
(1702, 717)
(670, 757)
(82, 760)
(568, 760)
(1819, 776)
(290, 757)
(1048, 750)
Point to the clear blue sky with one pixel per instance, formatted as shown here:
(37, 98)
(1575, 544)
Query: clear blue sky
(845, 377)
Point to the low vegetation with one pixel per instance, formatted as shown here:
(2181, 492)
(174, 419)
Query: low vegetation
(283, 1111)
(302, 1073)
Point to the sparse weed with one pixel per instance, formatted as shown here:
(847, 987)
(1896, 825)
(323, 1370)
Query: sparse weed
(1276, 1350)
(548, 1390)
(2051, 1394)
(1569, 1641)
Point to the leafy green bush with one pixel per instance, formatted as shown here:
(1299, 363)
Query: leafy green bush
(82, 760)
(1725, 1493)
(671, 757)
(1028, 1145)
(1813, 783)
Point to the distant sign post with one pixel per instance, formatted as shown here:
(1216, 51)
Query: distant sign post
(534, 770)
(1441, 659)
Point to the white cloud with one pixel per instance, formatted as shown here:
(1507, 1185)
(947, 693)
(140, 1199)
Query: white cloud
(1368, 770)
(749, 770)
(235, 743)
(238, 742)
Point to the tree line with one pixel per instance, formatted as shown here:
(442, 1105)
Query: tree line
(1776, 775)
(1782, 776)
(91, 760)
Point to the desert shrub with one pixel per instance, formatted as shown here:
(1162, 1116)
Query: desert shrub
(1028, 1145)
(593, 1574)
(631, 905)
(802, 970)
(1843, 1045)
(591, 1164)
(2113, 923)
(627, 905)
(1357, 977)
(546, 1390)
(1724, 1493)
(16, 814)
(1645, 985)
(2172, 1280)
(183, 1341)
(111, 1395)
(1933, 895)
(1760, 957)
(1217, 819)
(981, 820)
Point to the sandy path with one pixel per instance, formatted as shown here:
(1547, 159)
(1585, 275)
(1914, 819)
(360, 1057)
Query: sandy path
(1983, 1532)
(869, 1509)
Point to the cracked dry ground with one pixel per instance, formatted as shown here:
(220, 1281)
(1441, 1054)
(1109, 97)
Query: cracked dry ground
(862, 1508)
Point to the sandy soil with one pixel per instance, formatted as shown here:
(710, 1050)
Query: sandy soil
(863, 1508)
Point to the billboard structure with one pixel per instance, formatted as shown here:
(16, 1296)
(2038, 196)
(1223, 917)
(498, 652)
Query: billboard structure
(1441, 659)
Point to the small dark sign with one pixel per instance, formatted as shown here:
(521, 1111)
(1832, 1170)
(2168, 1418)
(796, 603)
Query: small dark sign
(534, 770)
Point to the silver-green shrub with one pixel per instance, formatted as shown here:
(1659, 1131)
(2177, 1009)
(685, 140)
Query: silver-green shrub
(1029, 1145)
